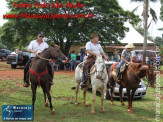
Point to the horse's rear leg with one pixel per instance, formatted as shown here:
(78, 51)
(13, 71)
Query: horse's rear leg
(46, 100)
(76, 93)
(51, 107)
(121, 99)
(84, 96)
(94, 99)
(102, 102)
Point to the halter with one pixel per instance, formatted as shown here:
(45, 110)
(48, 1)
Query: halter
(43, 58)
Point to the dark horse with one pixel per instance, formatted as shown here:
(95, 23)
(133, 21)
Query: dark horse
(38, 74)
(130, 80)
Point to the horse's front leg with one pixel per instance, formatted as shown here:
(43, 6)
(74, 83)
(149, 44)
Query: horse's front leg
(93, 100)
(76, 93)
(84, 96)
(133, 92)
(120, 91)
(111, 99)
(102, 101)
(129, 99)
(49, 98)
(45, 99)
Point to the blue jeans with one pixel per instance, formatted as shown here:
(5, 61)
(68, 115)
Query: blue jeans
(119, 66)
(73, 65)
(83, 76)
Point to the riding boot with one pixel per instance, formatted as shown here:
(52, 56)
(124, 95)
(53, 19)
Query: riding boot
(51, 80)
(84, 83)
(26, 80)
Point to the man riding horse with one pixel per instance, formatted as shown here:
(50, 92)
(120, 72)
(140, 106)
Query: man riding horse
(93, 49)
(35, 47)
(125, 58)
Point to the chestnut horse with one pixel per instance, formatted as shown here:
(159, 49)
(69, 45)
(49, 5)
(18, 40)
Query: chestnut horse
(130, 80)
(38, 74)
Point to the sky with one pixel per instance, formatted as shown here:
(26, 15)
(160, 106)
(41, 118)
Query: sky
(125, 4)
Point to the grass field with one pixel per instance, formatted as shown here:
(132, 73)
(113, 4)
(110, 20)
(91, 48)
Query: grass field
(12, 93)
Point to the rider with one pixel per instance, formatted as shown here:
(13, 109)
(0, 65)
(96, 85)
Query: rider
(125, 57)
(36, 47)
(93, 49)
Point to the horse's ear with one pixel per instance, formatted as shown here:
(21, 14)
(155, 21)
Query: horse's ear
(103, 57)
(57, 46)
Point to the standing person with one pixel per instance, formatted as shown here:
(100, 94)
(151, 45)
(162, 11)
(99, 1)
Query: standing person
(116, 56)
(73, 60)
(18, 52)
(36, 47)
(151, 59)
(125, 57)
(93, 49)
(139, 57)
(158, 61)
(82, 54)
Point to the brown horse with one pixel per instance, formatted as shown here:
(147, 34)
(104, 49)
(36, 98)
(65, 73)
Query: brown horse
(38, 74)
(130, 80)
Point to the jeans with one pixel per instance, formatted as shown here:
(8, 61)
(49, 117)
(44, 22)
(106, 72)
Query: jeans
(119, 66)
(73, 64)
(83, 76)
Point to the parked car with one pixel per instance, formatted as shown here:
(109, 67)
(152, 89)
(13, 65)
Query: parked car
(4, 53)
(140, 92)
(22, 59)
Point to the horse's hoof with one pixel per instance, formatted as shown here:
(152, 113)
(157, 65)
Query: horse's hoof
(103, 111)
(92, 112)
(76, 103)
(112, 103)
(86, 105)
(130, 111)
(53, 112)
(46, 104)
(122, 104)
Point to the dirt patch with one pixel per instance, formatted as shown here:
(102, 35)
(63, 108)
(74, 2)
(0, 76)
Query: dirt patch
(64, 98)
(7, 73)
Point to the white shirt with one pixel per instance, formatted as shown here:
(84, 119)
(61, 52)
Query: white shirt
(96, 48)
(35, 46)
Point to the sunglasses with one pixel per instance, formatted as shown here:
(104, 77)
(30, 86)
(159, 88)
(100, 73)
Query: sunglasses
(41, 36)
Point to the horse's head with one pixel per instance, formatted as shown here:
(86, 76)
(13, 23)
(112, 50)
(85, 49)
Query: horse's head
(99, 66)
(56, 53)
(139, 69)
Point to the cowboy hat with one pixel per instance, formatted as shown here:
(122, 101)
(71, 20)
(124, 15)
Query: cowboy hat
(130, 45)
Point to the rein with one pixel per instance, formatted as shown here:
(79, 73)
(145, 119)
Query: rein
(43, 58)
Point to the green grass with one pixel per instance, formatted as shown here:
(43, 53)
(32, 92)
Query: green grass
(63, 102)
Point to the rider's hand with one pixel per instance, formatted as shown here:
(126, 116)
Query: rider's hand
(35, 51)
(106, 58)
(128, 63)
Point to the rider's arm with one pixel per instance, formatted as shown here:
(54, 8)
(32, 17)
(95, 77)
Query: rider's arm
(91, 53)
(123, 58)
(103, 54)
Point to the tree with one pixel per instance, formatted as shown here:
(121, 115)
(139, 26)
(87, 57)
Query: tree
(145, 19)
(108, 21)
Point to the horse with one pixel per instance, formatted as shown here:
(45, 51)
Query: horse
(99, 79)
(38, 73)
(130, 80)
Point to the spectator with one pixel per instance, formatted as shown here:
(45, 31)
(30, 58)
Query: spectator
(139, 57)
(158, 61)
(116, 56)
(151, 59)
(82, 55)
(73, 60)
(18, 52)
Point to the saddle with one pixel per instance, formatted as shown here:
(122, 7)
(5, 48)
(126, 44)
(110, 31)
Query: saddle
(122, 69)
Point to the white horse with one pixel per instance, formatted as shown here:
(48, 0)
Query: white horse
(99, 80)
